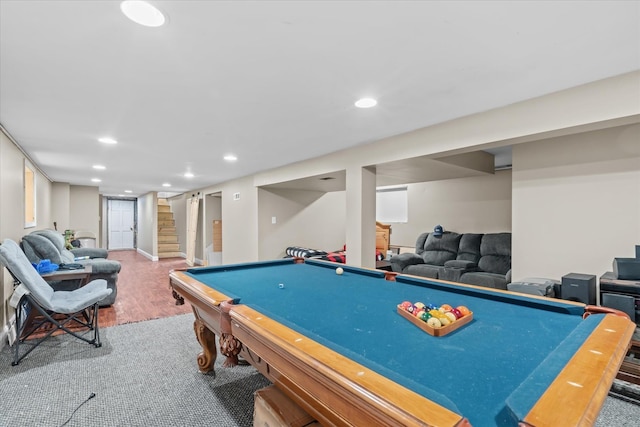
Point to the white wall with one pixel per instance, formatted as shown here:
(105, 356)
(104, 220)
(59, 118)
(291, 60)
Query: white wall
(576, 203)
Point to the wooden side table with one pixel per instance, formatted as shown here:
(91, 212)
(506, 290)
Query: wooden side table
(82, 275)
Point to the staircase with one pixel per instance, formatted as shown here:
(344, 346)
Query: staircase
(168, 246)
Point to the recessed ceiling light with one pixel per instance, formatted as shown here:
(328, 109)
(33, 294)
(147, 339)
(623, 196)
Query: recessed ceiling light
(128, 191)
(230, 158)
(366, 103)
(99, 167)
(188, 175)
(142, 13)
(107, 140)
(96, 180)
(166, 184)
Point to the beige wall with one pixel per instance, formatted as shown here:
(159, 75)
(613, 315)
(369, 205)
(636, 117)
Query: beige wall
(576, 203)
(147, 237)
(84, 207)
(12, 213)
(465, 205)
(303, 218)
(61, 205)
(179, 209)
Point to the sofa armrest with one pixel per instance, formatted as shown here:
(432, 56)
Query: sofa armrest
(462, 264)
(90, 252)
(401, 261)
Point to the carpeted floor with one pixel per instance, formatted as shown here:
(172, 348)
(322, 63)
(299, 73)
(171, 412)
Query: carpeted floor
(145, 374)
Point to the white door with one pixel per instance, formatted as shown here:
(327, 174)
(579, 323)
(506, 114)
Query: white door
(121, 224)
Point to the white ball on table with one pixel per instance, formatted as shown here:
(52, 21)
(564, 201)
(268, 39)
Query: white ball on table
(339, 270)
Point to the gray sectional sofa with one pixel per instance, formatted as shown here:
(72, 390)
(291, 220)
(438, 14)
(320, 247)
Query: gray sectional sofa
(476, 259)
(49, 244)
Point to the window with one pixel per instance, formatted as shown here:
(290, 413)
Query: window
(392, 204)
(29, 196)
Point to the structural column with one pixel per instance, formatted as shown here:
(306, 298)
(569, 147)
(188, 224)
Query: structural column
(361, 216)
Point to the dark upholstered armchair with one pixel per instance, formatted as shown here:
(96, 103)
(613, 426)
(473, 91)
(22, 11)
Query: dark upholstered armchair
(49, 244)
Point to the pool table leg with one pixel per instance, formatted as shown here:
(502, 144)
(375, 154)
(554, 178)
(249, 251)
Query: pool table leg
(207, 339)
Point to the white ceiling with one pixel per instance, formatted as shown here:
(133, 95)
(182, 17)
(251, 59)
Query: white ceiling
(275, 82)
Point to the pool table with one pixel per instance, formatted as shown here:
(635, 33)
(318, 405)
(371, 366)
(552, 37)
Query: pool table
(335, 344)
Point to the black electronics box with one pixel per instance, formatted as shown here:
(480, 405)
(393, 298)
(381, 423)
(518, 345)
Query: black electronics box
(579, 287)
(626, 268)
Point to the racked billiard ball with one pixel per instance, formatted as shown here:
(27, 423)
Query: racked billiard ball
(405, 305)
(434, 322)
(464, 310)
(424, 316)
(452, 317)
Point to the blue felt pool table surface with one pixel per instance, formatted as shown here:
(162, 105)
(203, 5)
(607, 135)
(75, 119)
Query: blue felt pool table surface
(491, 370)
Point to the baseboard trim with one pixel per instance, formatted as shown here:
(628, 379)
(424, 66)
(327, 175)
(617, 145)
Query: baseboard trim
(147, 255)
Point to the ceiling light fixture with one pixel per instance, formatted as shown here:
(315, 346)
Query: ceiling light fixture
(142, 13)
(96, 180)
(107, 140)
(128, 191)
(188, 175)
(166, 184)
(366, 103)
(99, 167)
(230, 158)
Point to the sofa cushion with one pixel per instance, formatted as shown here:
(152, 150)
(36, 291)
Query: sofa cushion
(422, 270)
(495, 251)
(37, 248)
(439, 250)
(469, 248)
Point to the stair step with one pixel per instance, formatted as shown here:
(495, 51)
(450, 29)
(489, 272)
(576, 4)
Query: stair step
(163, 202)
(164, 208)
(165, 216)
(166, 223)
(167, 238)
(170, 255)
(168, 247)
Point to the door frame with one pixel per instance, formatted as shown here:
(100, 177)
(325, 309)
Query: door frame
(134, 200)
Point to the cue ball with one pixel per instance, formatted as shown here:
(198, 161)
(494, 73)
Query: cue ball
(281, 285)
(339, 270)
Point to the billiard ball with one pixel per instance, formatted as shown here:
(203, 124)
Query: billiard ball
(418, 312)
(464, 310)
(419, 305)
(444, 320)
(424, 316)
(434, 322)
(456, 312)
(445, 307)
(281, 285)
(339, 270)
(452, 317)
